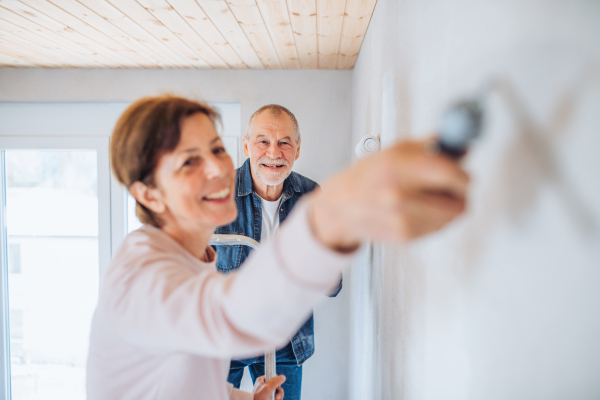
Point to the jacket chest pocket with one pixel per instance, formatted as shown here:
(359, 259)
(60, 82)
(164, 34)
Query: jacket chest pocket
(229, 258)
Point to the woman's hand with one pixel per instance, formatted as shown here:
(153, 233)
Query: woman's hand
(263, 391)
(397, 195)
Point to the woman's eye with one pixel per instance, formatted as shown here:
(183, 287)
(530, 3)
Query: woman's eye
(219, 150)
(190, 161)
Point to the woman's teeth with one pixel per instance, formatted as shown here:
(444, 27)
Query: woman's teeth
(220, 195)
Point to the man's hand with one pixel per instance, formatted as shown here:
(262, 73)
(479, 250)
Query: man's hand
(402, 193)
(263, 391)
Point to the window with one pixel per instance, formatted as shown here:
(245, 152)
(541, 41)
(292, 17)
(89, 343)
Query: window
(14, 258)
(16, 325)
(55, 201)
(52, 233)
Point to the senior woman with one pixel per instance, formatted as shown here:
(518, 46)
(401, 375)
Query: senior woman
(167, 322)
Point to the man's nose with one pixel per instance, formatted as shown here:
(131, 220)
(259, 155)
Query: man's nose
(273, 150)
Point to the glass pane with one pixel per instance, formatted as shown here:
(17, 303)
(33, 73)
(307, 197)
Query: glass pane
(52, 226)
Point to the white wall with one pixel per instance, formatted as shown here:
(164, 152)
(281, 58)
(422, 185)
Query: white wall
(321, 100)
(504, 304)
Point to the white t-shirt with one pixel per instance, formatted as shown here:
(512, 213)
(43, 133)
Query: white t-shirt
(270, 217)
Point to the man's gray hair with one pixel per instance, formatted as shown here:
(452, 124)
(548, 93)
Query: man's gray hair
(275, 110)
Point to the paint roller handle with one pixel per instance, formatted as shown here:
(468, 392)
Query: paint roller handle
(461, 125)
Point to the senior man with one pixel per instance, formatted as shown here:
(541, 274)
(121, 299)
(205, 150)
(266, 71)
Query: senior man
(266, 191)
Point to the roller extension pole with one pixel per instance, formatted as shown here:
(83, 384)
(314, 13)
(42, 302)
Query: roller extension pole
(241, 240)
(233, 240)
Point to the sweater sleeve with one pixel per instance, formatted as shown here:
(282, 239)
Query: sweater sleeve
(164, 306)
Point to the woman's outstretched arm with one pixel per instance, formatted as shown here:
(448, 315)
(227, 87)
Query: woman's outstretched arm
(164, 299)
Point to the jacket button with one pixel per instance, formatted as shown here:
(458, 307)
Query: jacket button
(256, 213)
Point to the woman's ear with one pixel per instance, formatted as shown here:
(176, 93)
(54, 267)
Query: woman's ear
(149, 197)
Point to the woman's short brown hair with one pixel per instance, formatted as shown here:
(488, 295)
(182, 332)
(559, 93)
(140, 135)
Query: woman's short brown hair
(146, 131)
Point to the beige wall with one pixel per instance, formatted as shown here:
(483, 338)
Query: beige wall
(504, 304)
(321, 100)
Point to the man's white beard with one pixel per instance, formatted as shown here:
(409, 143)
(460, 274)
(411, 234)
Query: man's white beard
(274, 178)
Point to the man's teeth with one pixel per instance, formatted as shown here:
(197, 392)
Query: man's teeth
(220, 195)
(273, 165)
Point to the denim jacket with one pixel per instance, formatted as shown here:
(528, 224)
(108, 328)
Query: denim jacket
(249, 223)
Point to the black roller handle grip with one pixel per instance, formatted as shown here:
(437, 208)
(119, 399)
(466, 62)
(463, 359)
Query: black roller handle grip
(461, 125)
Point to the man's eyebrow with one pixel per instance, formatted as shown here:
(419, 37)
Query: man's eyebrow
(259, 136)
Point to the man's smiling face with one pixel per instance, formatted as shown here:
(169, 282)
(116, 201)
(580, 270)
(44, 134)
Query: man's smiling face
(272, 147)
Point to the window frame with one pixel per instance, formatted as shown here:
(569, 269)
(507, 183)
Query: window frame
(105, 220)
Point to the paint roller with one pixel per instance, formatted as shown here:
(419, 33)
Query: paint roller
(461, 125)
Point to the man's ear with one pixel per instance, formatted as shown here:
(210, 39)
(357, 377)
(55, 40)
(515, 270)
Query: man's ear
(245, 140)
(149, 197)
(298, 149)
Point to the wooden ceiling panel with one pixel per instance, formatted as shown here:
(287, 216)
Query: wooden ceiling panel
(6, 59)
(330, 19)
(303, 14)
(32, 20)
(33, 51)
(172, 21)
(356, 21)
(220, 14)
(249, 18)
(289, 34)
(67, 24)
(195, 16)
(115, 17)
(67, 56)
(156, 28)
(95, 21)
(24, 55)
(277, 21)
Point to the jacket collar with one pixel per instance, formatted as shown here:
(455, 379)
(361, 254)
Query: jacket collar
(245, 186)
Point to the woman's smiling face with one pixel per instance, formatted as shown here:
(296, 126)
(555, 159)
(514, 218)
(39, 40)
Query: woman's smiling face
(196, 181)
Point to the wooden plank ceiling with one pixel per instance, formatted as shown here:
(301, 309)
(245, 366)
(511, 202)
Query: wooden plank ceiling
(288, 34)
